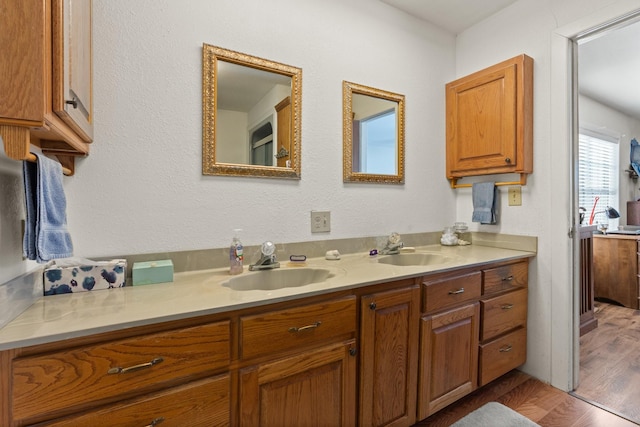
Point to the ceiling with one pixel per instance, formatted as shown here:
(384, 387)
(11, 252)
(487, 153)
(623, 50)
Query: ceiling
(608, 65)
(453, 15)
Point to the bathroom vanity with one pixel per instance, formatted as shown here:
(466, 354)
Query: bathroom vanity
(373, 344)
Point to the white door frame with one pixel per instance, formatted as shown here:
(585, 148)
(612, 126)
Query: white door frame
(565, 288)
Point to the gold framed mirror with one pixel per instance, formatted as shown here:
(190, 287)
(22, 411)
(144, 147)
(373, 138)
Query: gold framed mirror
(373, 135)
(251, 115)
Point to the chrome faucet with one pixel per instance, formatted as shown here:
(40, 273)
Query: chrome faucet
(267, 260)
(393, 245)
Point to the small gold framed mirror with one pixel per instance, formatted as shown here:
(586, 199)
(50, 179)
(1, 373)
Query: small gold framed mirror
(251, 110)
(373, 135)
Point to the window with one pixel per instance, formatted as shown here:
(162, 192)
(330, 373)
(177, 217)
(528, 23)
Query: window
(598, 176)
(378, 144)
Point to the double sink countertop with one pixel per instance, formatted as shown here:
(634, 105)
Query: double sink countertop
(203, 292)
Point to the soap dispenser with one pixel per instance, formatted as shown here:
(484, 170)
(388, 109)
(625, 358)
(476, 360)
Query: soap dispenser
(235, 254)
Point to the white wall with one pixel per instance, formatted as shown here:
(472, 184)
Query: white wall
(539, 29)
(232, 140)
(608, 121)
(141, 189)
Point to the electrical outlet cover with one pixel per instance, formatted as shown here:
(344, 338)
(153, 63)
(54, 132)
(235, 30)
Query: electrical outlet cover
(320, 221)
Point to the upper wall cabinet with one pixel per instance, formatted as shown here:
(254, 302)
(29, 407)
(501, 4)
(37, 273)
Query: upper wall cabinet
(46, 64)
(490, 121)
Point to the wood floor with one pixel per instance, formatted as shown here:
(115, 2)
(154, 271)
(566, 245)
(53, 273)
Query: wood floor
(540, 402)
(610, 361)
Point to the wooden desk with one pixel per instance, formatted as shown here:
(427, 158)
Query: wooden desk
(615, 266)
(588, 319)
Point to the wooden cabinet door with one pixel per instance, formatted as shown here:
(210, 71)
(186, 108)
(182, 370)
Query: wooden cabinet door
(388, 357)
(314, 388)
(490, 120)
(482, 121)
(448, 357)
(72, 65)
(21, 63)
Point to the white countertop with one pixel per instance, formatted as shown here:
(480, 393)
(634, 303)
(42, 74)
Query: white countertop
(203, 292)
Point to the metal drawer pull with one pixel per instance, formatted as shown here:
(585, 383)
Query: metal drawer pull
(155, 422)
(293, 329)
(507, 306)
(506, 348)
(459, 291)
(507, 279)
(119, 370)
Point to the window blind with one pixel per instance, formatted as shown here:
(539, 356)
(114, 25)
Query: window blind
(598, 176)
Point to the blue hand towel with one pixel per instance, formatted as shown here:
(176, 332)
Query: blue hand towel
(46, 236)
(484, 195)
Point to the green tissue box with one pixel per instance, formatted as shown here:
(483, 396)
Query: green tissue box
(146, 273)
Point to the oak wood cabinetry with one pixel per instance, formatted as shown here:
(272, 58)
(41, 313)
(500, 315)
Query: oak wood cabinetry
(299, 383)
(616, 268)
(75, 381)
(47, 78)
(473, 330)
(198, 403)
(490, 120)
(383, 354)
(389, 356)
(449, 340)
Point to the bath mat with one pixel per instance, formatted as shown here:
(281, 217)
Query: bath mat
(494, 414)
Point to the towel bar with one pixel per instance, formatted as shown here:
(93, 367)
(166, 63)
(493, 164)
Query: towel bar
(523, 181)
(32, 158)
(17, 146)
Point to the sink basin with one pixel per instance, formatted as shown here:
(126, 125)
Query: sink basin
(268, 280)
(414, 259)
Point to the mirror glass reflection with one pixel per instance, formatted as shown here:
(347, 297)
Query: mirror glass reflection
(373, 135)
(251, 115)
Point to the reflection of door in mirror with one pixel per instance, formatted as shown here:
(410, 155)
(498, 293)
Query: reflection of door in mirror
(373, 129)
(262, 145)
(251, 115)
(283, 119)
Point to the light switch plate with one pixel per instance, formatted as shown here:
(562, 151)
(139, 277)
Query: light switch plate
(320, 221)
(515, 196)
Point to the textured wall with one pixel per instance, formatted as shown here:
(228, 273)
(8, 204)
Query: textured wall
(141, 189)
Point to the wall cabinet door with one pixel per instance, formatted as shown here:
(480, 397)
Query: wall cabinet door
(314, 388)
(388, 357)
(72, 65)
(448, 357)
(490, 120)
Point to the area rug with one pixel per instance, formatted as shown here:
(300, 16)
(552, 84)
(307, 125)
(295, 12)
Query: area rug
(494, 414)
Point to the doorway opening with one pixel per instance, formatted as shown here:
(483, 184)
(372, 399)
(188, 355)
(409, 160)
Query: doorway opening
(606, 119)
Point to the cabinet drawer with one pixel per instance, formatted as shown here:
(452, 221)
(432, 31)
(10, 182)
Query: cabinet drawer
(445, 293)
(506, 277)
(503, 313)
(202, 403)
(57, 383)
(297, 327)
(499, 356)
